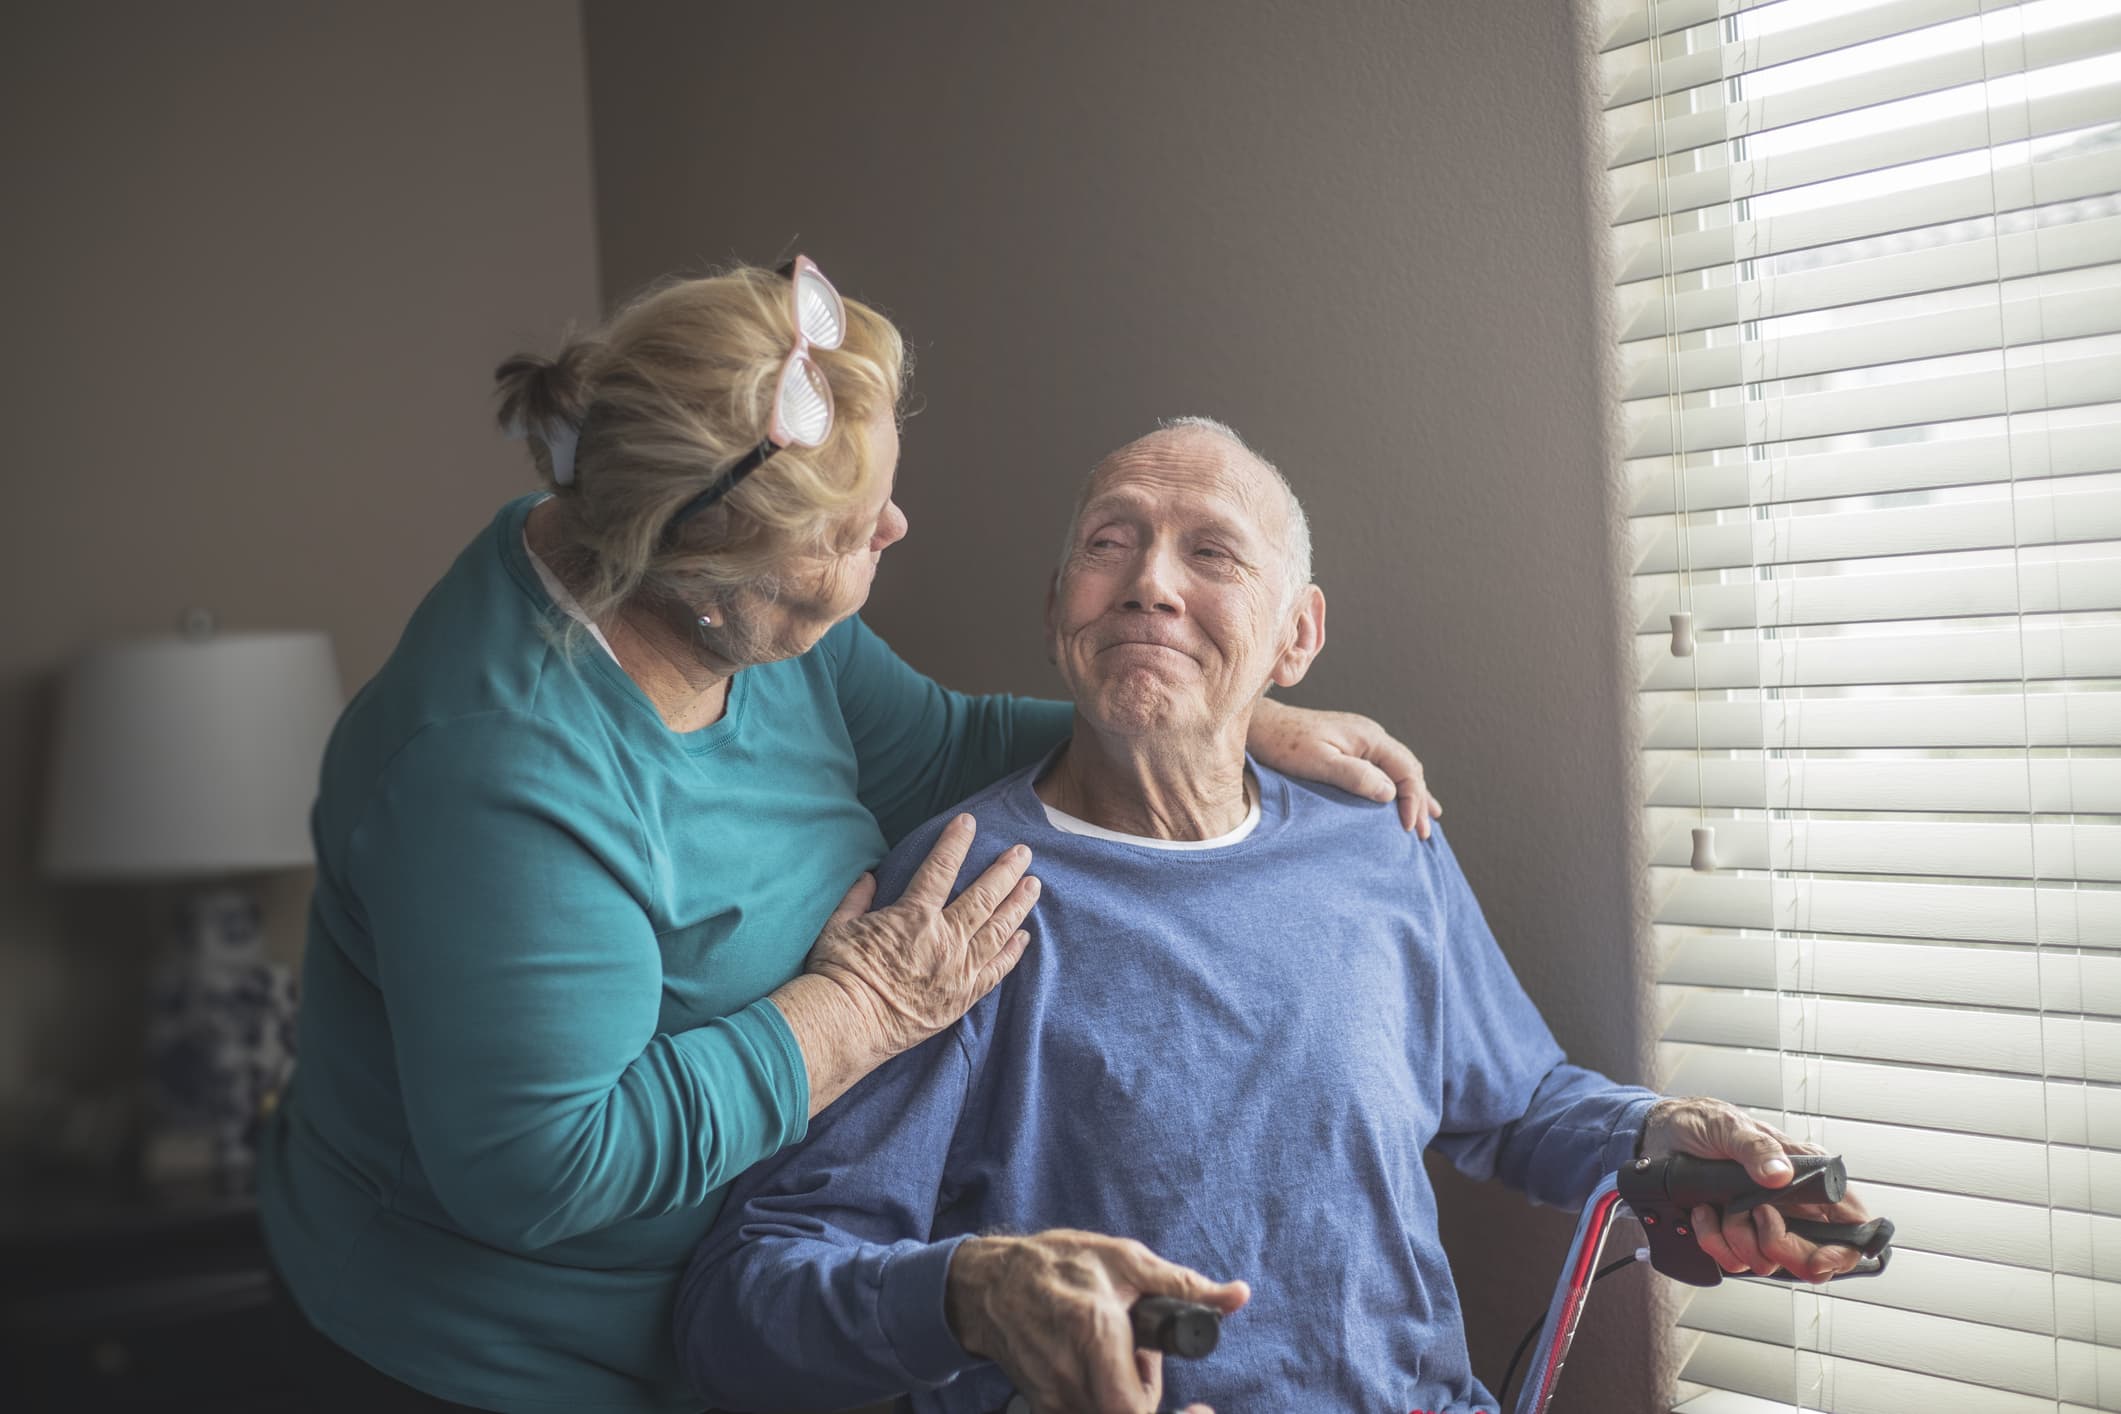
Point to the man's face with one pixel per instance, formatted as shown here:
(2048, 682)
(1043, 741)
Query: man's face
(1169, 612)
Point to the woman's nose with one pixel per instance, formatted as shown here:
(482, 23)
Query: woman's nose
(892, 527)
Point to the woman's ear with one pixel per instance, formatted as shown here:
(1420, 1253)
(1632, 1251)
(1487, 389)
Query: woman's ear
(1307, 638)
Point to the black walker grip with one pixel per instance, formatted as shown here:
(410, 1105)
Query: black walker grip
(1724, 1183)
(1186, 1329)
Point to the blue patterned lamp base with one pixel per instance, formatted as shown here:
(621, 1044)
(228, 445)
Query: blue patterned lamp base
(220, 1038)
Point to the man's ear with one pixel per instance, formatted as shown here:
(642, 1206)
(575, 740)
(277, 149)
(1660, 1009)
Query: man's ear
(1052, 591)
(1309, 639)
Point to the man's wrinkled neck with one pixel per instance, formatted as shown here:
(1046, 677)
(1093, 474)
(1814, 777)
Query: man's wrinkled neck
(1157, 785)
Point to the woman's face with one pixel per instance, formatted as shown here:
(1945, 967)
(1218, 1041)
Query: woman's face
(821, 590)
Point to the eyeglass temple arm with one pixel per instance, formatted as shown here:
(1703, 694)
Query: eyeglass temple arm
(722, 485)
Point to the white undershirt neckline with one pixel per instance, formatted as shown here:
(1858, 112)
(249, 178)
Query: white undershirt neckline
(1068, 824)
(566, 601)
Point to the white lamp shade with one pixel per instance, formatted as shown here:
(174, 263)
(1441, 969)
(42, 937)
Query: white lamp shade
(183, 756)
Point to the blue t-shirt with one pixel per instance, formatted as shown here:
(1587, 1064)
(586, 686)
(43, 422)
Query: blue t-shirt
(1236, 1055)
(534, 1040)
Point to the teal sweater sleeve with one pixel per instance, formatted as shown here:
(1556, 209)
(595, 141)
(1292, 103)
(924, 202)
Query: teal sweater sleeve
(522, 979)
(922, 748)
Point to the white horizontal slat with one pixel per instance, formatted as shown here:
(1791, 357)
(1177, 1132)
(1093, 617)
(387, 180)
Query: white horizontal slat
(2032, 1235)
(1650, 309)
(1830, 1324)
(1977, 1195)
(2059, 376)
(1988, 913)
(1687, 181)
(1616, 23)
(1932, 1284)
(2081, 785)
(2039, 653)
(1663, 246)
(2073, 1308)
(1697, 1399)
(2037, 513)
(2020, 850)
(1842, 1385)
(1968, 1038)
(1622, 22)
(2070, 305)
(2007, 1106)
(1634, 133)
(2053, 586)
(1685, 60)
(2024, 447)
(2057, 981)
(1968, 719)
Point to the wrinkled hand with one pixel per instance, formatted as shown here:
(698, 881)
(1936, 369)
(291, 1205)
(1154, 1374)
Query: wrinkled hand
(1052, 1311)
(1345, 750)
(913, 968)
(1757, 1242)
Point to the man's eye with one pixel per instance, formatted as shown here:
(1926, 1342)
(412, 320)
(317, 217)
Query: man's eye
(1103, 542)
(1210, 552)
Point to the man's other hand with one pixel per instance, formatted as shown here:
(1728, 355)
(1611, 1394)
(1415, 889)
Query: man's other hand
(1757, 1242)
(1053, 1311)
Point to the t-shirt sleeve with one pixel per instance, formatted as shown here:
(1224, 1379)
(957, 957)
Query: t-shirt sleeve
(1513, 1106)
(523, 982)
(818, 1286)
(919, 747)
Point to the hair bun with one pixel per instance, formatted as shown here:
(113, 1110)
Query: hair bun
(546, 400)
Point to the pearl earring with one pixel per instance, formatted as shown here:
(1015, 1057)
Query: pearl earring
(706, 621)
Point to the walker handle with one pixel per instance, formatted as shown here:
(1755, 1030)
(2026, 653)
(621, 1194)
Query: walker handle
(1664, 1192)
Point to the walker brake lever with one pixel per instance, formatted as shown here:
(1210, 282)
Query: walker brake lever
(1186, 1329)
(1664, 1192)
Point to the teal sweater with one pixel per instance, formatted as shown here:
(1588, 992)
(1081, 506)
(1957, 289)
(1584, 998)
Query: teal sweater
(534, 1041)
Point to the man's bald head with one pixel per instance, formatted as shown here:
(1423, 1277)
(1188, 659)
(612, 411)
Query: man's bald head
(1293, 534)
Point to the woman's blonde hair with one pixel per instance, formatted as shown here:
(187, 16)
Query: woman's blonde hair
(672, 391)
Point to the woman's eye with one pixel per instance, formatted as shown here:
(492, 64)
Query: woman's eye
(1103, 542)
(1210, 552)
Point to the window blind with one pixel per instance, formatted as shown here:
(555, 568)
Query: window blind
(1868, 265)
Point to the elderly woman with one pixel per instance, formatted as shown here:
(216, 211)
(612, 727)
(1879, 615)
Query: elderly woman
(583, 946)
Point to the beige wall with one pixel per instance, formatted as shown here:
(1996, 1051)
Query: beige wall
(261, 260)
(1358, 231)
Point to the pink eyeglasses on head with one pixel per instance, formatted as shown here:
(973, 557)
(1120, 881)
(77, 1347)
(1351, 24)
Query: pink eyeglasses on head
(802, 399)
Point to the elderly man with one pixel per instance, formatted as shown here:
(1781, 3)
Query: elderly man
(1248, 1006)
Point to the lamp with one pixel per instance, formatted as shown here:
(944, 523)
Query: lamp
(192, 758)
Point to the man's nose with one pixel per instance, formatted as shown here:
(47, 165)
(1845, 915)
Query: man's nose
(1154, 589)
